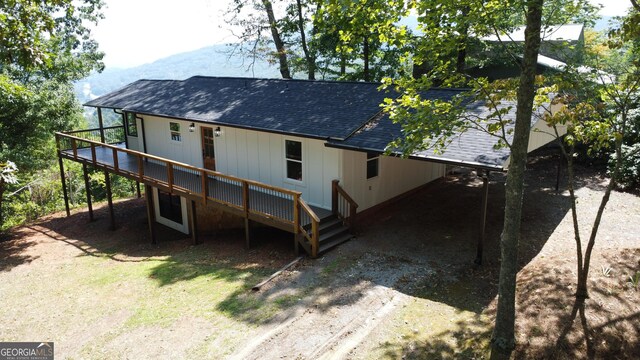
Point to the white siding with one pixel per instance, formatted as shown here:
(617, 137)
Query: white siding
(542, 134)
(159, 141)
(251, 155)
(260, 156)
(395, 177)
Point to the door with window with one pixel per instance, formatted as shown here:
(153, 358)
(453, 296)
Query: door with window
(208, 151)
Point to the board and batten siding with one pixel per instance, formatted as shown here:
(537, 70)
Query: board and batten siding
(249, 154)
(260, 156)
(395, 177)
(159, 143)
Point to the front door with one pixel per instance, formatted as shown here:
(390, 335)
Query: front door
(208, 152)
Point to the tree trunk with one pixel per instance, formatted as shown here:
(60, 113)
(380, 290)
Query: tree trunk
(277, 40)
(503, 341)
(574, 215)
(1, 201)
(461, 60)
(583, 290)
(311, 61)
(365, 55)
(343, 64)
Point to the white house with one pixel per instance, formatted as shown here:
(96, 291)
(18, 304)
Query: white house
(317, 141)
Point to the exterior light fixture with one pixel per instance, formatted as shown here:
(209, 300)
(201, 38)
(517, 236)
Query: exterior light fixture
(217, 132)
(192, 127)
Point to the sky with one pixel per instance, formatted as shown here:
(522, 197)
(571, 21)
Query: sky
(136, 32)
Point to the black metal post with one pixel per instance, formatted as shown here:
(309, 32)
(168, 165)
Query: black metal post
(101, 124)
(483, 217)
(560, 161)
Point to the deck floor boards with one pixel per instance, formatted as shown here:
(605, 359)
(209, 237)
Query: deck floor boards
(187, 180)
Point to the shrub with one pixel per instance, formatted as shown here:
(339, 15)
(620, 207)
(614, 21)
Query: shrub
(629, 177)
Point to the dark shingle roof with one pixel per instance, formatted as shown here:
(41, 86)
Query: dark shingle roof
(320, 109)
(474, 148)
(346, 113)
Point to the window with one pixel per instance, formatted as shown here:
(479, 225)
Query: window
(372, 165)
(170, 206)
(293, 155)
(131, 124)
(174, 129)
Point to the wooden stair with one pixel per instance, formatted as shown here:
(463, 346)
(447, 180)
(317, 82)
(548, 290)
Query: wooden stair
(332, 232)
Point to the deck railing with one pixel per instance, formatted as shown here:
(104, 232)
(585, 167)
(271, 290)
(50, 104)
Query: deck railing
(342, 204)
(111, 134)
(253, 199)
(312, 235)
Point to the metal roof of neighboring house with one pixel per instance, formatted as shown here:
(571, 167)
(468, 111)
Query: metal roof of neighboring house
(567, 32)
(319, 109)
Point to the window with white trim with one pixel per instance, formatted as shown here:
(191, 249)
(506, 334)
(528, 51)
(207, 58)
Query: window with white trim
(174, 131)
(293, 158)
(373, 165)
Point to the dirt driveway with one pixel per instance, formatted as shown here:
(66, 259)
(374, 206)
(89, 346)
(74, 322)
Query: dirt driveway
(405, 288)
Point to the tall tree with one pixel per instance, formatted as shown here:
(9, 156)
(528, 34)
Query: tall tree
(44, 47)
(503, 341)
(277, 40)
(368, 36)
(597, 109)
(432, 123)
(255, 18)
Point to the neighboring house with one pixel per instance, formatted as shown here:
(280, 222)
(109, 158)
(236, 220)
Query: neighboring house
(559, 45)
(294, 154)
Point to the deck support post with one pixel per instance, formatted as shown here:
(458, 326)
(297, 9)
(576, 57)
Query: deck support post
(64, 185)
(483, 217)
(193, 222)
(107, 181)
(296, 243)
(87, 188)
(151, 213)
(247, 232)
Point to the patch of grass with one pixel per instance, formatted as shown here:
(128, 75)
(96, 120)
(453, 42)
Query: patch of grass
(256, 308)
(446, 333)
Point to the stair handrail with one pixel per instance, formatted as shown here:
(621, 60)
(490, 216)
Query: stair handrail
(342, 204)
(314, 235)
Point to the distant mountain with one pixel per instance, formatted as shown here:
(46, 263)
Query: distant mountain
(210, 61)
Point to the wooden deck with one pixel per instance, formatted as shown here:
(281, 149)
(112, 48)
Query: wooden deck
(255, 201)
(189, 183)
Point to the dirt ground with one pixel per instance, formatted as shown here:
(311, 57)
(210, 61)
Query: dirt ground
(406, 287)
